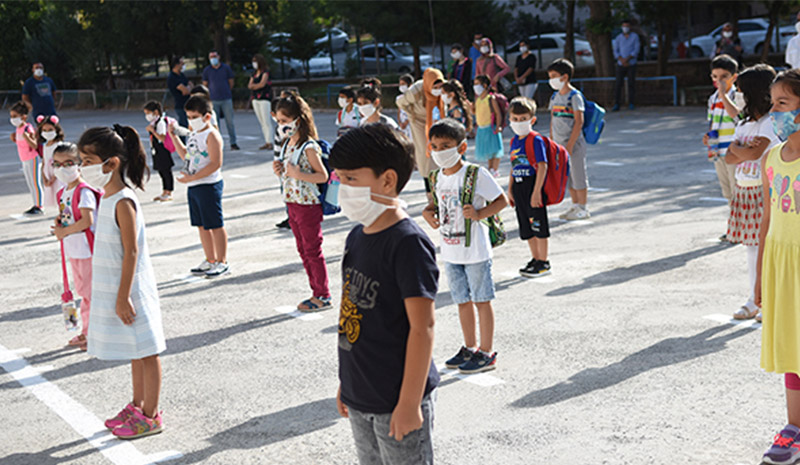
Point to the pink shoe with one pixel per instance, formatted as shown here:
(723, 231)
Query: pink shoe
(121, 417)
(139, 425)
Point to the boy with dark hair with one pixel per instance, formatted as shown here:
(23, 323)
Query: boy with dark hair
(566, 128)
(464, 194)
(161, 147)
(723, 114)
(526, 185)
(348, 116)
(389, 274)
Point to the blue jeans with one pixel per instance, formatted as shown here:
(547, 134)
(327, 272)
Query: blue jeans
(375, 447)
(470, 283)
(224, 109)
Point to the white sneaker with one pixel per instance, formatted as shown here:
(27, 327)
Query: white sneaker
(203, 267)
(569, 212)
(218, 269)
(579, 213)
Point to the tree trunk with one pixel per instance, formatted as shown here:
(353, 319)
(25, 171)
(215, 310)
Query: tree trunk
(377, 56)
(417, 66)
(664, 47)
(569, 45)
(773, 26)
(360, 53)
(218, 31)
(600, 17)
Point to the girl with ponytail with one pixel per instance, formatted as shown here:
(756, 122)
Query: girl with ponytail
(125, 321)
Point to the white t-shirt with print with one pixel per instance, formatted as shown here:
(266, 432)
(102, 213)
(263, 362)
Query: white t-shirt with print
(76, 245)
(748, 173)
(451, 216)
(197, 158)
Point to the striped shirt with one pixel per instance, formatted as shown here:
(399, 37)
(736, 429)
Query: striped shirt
(719, 119)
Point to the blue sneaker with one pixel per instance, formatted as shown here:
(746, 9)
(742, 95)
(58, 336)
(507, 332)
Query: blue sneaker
(478, 363)
(784, 450)
(463, 356)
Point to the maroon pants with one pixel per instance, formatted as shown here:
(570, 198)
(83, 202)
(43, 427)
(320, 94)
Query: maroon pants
(306, 223)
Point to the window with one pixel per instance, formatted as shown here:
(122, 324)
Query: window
(749, 27)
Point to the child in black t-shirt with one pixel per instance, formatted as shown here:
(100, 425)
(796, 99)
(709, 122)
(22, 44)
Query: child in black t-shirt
(389, 275)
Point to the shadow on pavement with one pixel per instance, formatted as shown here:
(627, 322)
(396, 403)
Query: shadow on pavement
(31, 313)
(627, 273)
(443, 299)
(267, 429)
(664, 353)
(47, 456)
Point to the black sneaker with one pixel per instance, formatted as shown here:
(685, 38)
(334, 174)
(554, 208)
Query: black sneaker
(529, 266)
(234, 147)
(478, 363)
(34, 211)
(539, 269)
(464, 355)
(283, 224)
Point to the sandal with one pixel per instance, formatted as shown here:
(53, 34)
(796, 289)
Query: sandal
(311, 306)
(744, 313)
(758, 316)
(77, 341)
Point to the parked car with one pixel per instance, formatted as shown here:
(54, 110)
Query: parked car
(752, 33)
(397, 57)
(552, 45)
(292, 69)
(320, 65)
(278, 42)
(339, 39)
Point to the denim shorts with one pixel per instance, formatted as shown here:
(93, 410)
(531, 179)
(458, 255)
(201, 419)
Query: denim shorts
(470, 283)
(375, 447)
(205, 205)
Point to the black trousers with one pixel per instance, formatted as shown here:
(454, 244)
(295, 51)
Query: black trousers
(167, 180)
(630, 72)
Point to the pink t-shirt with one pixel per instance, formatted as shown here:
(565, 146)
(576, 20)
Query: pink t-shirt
(23, 148)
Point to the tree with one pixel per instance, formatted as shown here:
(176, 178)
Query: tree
(665, 16)
(598, 30)
(775, 9)
(296, 19)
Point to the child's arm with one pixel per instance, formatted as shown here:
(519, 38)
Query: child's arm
(179, 147)
(541, 174)
(762, 234)
(214, 143)
(319, 175)
(496, 112)
(510, 195)
(738, 153)
(495, 207)
(30, 138)
(152, 130)
(730, 107)
(407, 414)
(577, 127)
(429, 213)
(126, 220)
(86, 221)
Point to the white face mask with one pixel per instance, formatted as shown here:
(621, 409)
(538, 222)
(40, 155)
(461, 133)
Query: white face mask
(38, 72)
(727, 34)
(48, 135)
(797, 27)
(485, 49)
(626, 30)
(455, 55)
(342, 102)
(436, 92)
(94, 175)
(446, 158)
(151, 117)
(16, 121)
(403, 88)
(197, 124)
(255, 65)
(556, 83)
(523, 49)
(358, 206)
(287, 130)
(366, 110)
(67, 174)
(478, 89)
(183, 68)
(521, 128)
(447, 99)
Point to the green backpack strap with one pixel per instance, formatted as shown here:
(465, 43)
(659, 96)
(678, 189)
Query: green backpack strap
(467, 196)
(432, 177)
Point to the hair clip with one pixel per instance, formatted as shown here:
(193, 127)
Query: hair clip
(54, 119)
(40, 118)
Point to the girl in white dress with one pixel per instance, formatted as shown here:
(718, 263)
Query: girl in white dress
(49, 134)
(125, 322)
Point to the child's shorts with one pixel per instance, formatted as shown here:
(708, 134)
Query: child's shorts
(205, 205)
(578, 178)
(470, 283)
(532, 221)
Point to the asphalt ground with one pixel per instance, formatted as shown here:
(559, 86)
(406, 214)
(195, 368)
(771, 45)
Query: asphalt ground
(625, 354)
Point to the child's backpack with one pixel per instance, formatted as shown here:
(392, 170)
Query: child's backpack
(497, 231)
(555, 183)
(593, 117)
(76, 211)
(168, 144)
(328, 190)
(502, 102)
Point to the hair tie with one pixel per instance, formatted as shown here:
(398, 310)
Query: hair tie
(54, 119)
(118, 130)
(40, 118)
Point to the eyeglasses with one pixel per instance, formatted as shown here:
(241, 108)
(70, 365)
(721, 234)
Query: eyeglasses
(66, 164)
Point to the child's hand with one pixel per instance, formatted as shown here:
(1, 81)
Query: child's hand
(757, 292)
(292, 171)
(470, 213)
(536, 200)
(185, 178)
(58, 230)
(728, 83)
(510, 198)
(340, 406)
(705, 140)
(430, 217)
(569, 148)
(150, 129)
(47, 181)
(14, 137)
(277, 167)
(125, 311)
(404, 421)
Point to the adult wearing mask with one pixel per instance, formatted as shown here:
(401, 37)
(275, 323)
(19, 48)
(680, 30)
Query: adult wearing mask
(525, 70)
(420, 102)
(218, 77)
(491, 64)
(475, 52)
(626, 49)
(178, 85)
(39, 92)
(729, 44)
(462, 68)
(261, 88)
(793, 47)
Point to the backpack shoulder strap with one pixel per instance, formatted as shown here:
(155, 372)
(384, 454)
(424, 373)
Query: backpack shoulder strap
(530, 153)
(467, 196)
(76, 211)
(432, 178)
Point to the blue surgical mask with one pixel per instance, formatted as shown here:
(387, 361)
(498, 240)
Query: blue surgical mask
(783, 123)
(214, 61)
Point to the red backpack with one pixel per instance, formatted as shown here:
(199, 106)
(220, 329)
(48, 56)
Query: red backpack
(555, 183)
(76, 211)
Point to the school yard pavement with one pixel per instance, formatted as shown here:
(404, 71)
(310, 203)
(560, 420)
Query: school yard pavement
(625, 354)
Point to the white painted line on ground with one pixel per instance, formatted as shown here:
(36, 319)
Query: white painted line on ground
(239, 176)
(728, 320)
(621, 144)
(21, 350)
(599, 189)
(76, 415)
(21, 217)
(189, 278)
(608, 163)
(632, 131)
(44, 368)
(245, 196)
(480, 379)
(714, 199)
(295, 313)
(709, 171)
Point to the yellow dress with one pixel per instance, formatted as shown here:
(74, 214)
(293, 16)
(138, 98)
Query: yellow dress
(780, 275)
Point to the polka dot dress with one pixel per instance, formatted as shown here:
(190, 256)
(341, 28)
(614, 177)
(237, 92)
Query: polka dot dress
(744, 222)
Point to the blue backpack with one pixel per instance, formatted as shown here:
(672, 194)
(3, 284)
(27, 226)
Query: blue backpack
(593, 118)
(329, 190)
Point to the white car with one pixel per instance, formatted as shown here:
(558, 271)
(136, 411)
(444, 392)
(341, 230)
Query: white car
(397, 57)
(338, 38)
(552, 48)
(320, 65)
(752, 33)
